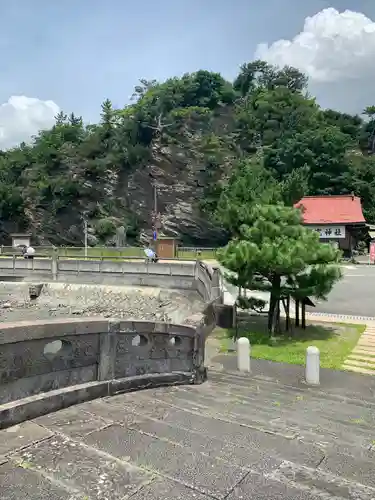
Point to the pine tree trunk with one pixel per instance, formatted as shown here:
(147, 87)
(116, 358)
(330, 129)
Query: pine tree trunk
(273, 312)
(277, 326)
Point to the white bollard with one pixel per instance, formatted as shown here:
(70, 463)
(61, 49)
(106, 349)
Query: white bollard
(243, 354)
(312, 369)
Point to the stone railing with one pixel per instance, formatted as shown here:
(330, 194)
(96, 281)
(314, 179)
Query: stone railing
(188, 275)
(46, 366)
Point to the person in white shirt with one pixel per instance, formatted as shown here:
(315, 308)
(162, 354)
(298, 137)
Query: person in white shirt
(150, 254)
(29, 253)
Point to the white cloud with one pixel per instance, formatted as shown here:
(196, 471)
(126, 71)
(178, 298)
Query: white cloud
(21, 117)
(336, 50)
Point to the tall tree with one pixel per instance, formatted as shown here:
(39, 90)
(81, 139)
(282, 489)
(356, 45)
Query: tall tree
(273, 252)
(248, 185)
(259, 74)
(262, 136)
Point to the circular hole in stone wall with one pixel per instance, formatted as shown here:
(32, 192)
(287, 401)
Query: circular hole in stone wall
(52, 348)
(175, 341)
(139, 340)
(57, 347)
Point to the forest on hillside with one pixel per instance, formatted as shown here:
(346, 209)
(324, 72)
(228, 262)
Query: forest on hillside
(191, 137)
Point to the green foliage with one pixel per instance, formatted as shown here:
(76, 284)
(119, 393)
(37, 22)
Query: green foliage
(295, 185)
(275, 253)
(259, 74)
(105, 228)
(249, 183)
(262, 139)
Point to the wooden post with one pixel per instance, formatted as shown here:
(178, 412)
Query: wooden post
(297, 312)
(277, 320)
(303, 313)
(235, 322)
(287, 312)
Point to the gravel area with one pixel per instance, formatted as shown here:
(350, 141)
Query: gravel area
(65, 300)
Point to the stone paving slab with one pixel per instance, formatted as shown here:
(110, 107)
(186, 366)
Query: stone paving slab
(355, 362)
(234, 437)
(262, 488)
(82, 469)
(20, 483)
(162, 489)
(359, 370)
(362, 348)
(22, 436)
(71, 422)
(163, 457)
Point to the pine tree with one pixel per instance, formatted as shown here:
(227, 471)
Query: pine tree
(249, 183)
(276, 254)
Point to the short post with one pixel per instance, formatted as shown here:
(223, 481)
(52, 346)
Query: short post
(297, 312)
(54, 265)
(86, 236)
(312, 369)
(243, 354)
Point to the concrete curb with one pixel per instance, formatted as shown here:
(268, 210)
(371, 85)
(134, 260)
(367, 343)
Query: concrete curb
(344, 318)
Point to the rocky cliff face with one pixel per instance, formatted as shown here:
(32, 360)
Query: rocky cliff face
(115, 192)
(179, 189)
(181, 174)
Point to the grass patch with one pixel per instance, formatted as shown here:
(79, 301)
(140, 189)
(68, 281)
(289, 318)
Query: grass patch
(335, 342)
(101, 252)
(193, 255)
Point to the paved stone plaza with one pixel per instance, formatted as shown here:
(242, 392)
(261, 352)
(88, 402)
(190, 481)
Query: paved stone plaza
(234, 437)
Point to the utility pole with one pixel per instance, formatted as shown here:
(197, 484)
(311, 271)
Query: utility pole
(85, 233)
(155, 199)
(158, 129)
(155, 213)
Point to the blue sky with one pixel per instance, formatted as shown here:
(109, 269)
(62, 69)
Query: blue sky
(79, 52)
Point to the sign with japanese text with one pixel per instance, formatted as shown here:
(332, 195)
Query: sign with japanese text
(329, 232)
(372, 252)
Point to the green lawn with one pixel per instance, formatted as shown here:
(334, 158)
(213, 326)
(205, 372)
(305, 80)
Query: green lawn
(209, 254)
(98, 252)
(335, 342)
(101, 252)
(131, 252)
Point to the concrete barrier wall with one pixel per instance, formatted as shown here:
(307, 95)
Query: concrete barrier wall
(187, 275)
(46, 366)
(37, 357)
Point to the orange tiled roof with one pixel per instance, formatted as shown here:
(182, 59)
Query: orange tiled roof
(341, 209)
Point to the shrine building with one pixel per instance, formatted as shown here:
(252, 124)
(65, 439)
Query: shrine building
(338, 219)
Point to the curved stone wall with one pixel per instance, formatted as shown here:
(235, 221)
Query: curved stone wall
(185, 275)
(46, 366)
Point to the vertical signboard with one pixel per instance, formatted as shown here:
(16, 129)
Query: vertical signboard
(372, 252)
